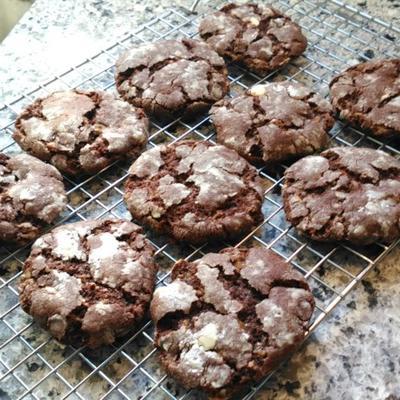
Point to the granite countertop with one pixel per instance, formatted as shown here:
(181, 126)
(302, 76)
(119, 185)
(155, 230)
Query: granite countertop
(352, 355)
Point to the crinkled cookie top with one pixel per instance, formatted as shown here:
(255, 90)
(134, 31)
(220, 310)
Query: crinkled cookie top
(228, 318)
(345, 194)
(81, 132)
(258, 35)
(32, 194)
(172, 78)
(194, 190)
(368, 95)
(89, 282)
(273, 122)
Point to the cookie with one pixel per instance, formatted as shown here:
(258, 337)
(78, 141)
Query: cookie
(259, 36)
(89, 282)
(345, 193)
(194, 191)
(273, 122)
(172, 78)
(32, 195)
(229, 318)
(81, 132)
(368, 96)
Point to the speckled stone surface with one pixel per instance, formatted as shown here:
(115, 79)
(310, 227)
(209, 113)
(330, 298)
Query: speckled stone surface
(353, 355)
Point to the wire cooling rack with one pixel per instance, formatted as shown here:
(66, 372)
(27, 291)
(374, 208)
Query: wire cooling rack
(32, 364)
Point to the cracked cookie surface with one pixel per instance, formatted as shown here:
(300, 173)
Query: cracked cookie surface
(368, 96)
(228, 318)
(81, 132)
(194, 191)
(32, 195)
(172, 78)
(89, 282)
(345, 193)
(257, 35)
(273, 122)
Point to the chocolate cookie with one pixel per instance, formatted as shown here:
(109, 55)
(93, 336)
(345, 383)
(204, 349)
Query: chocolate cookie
(31, 195)
(261, 37)
(194, 191)
(273, 122)
(172, 78)
(368, 96)
(81, 132)
(229, 318)
(89, 282)
(345, 194)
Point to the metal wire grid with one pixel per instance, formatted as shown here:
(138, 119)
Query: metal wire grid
(33, 365)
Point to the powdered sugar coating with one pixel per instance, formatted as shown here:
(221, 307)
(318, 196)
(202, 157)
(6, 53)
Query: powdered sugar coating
(81, 132)
(32, 194)
(249, 309)
(178, 295)
(172, 78)
(105, 277)
(194, 190)
(273, 122)
(214, 291)
(345, 194)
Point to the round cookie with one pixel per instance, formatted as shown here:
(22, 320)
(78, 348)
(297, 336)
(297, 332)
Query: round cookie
(172, 78)
(81, 132)
(32, 195)
(89, 282)
(273, 122)
(194, 191)
(368, 96)
(259, 36)
(229, 318)
(345, 193)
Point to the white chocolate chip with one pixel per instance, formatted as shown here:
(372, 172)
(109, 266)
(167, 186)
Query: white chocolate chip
(254, 21)
(208, 336)
(258, 90)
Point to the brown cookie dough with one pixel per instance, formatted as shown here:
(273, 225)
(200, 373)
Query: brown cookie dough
(229, 318)
(81, 132)
(345, 193)
(273, 122)
(32, 195)
(89, 282)
(368, 96)
(172, 78)
(194, 191)
(261, 37)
